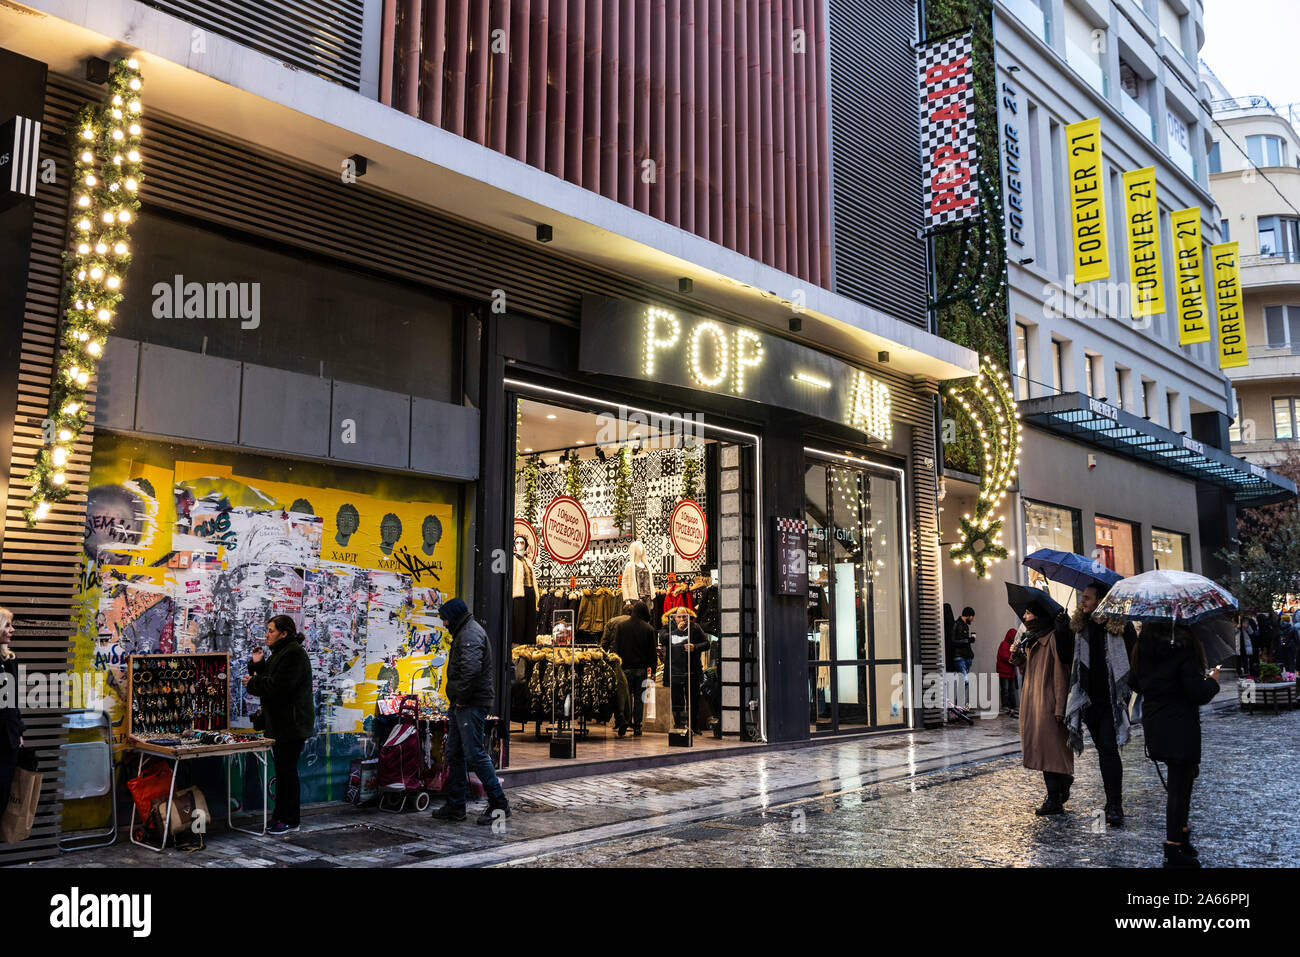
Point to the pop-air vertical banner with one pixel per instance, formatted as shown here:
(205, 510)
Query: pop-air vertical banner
(1087, 201)
(949, 155)
(1189, 267)
(1142, 222)
(1227, 302)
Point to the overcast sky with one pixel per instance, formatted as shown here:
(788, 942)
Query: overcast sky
(1254, 47)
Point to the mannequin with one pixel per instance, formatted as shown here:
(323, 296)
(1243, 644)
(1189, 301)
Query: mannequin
(638, 582)
(523, 617)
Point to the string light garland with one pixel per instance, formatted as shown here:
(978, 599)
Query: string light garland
(991, 408)
(106, 177)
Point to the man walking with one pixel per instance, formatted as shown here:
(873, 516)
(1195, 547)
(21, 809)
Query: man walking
(963, 650)
(470, 691)
(634, 640)
(1099, 692)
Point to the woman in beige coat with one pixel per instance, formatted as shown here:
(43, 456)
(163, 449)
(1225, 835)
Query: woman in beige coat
(1044, 653)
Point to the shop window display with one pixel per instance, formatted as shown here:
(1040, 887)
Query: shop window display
(1057, 528)
(1117, 546)
(1169, 550)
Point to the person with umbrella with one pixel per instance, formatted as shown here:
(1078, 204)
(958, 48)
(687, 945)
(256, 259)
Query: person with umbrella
(1044, 653)
(1181, 615)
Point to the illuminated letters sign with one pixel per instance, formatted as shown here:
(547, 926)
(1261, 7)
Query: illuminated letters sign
(674, 348)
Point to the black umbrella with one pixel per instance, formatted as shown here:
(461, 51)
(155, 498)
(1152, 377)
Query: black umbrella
(1022, 598)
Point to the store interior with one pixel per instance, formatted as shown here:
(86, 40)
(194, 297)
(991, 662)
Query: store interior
(629, 471)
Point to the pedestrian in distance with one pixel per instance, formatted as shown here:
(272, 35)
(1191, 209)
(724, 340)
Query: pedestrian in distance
(1007, 674)
(470, 691)
(283, 682)
(1099, 693)
(1044, 654)
(963, 647)
(11, 720)
(634, 640)
(1168, 668)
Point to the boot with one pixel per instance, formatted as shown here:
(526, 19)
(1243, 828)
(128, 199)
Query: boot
(1187, 845)
(1053, 805)
(1114, 814)
(494, 804)
(1176, 855)
(450, 812)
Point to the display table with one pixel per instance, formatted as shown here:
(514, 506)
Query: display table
(189, 752)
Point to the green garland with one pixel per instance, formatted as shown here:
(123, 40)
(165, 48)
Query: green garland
(531, 471)
(691, 473)
(107, 173)
(623, 488)
(574, 479)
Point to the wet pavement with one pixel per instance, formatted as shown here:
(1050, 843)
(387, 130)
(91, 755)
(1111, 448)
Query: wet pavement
(951, 796)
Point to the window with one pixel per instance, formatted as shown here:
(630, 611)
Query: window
(1171, 25)
(1058, 376)
(1266, 150)
(1234, 430)
(1121, 386)
(1169, 550)
(1279, 236)
(1225, 234)
(1022, 361)
(1284, 426)
(1216, 164)
(1094, 375)
(1148, 391)
(1171, 409)
(1116, 545)
(1055, 527)
(1282, 324)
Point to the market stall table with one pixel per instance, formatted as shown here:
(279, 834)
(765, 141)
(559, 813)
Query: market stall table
(189, 752)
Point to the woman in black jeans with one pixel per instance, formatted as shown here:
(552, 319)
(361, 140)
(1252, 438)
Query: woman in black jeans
(1169, 670)
(284, 685)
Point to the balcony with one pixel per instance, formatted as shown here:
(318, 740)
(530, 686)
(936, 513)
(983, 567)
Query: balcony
(1086, 65)
(1183, 159)
(1136, 114)
(1272, 271)
(1268, 363)
(1032, 16)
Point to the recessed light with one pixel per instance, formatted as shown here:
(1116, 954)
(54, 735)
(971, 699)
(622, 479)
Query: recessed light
(581, 442)
(552, 416)
(527, 450)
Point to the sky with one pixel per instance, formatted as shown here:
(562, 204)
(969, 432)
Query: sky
(1253, 47)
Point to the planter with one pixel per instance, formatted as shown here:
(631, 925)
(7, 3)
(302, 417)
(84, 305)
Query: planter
(1254, 695)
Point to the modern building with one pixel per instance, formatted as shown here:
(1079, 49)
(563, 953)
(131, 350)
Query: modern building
(405, 271)
(1254, 165)
(1126, 452)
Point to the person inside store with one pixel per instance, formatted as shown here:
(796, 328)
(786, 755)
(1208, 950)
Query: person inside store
(283, 683)
(1168, 668)
(963, 641)
(470, 690)
(1044, 654)
(683, 643)
(1099, 693)
(633, 639)
(1287, 652)
(1007, 684)
(11, 720)
(1248, 631)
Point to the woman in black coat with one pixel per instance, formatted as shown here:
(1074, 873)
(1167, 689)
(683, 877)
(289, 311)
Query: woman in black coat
(1169, 670)
(11, 722)
(284, 685)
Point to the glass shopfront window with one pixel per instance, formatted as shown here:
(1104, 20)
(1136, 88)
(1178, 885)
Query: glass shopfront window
(1117, 546)
(1054, 527)
(1170, 550)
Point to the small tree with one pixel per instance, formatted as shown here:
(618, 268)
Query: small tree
(1269, 564)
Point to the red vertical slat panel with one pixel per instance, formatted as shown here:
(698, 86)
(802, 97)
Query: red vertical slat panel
(687, 115)
(776, 97)
(658, 104)
(730, 186)
(520, 42)
(539, 65)
(476, 107)
(823, 150)
(457, 58)
(409, 45)
(499, 56)
(716, 230)
(754, 74)
(594, 72)
(627, 104)
(807, 211)
(387, 51)
(431, 63)
(575, 93)
(702, 144)
(794, 212)
(556, 83)
(609, 157)
(641, 189)
(767, 148)
(740, 118)
(672, 171)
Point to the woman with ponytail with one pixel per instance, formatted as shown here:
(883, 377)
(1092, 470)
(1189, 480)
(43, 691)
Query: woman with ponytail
(284, 685)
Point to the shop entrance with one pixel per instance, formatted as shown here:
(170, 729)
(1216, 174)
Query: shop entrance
(857, 610)
(668, 501)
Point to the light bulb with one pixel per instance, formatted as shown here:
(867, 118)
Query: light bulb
(71, 408)
(96, 272)
(131, 184)
(83, 224)
(112, 282)
(117, 99)
(133, 64)
(94, 348)
(113, 187)
(124, 216)
(119, 248)
(83, 201)
(133, 156)
(103, 315)
(134, 129)
(64, 434)
(88, 157)
(87, 134)
(117, 114)
(101, 247)
(117, 159)
(134, 84)
(83, 378)
(58, 478)
(81, 275)
(83, 248)
(108, 218)
(118, 135)
(60, 457)
(134, 106)
(42, 509)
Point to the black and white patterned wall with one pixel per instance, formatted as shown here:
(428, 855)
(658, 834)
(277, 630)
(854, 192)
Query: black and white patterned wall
(656, 489)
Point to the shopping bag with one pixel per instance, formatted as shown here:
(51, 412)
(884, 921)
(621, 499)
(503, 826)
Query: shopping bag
(20, 812)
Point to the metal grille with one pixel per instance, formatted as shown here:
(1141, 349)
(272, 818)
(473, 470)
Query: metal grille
(875, 158)
(320, 36)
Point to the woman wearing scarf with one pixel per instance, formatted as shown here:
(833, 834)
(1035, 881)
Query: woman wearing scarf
(1044, 654)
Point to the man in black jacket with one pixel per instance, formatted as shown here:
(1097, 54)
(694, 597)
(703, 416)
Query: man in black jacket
(471, 691)
(634, 640)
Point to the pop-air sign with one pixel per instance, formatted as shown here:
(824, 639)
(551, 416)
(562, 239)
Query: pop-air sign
(667, 346)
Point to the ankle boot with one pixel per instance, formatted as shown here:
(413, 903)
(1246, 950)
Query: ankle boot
(1052, 805)
(489, 814)
(1114, 814)
(1176, 856)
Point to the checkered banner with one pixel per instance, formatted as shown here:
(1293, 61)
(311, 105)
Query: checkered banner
(949, 154)
(795, 526)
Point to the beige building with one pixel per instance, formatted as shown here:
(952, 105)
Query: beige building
(1255, 178)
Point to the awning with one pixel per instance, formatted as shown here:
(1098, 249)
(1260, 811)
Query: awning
(1107, 427)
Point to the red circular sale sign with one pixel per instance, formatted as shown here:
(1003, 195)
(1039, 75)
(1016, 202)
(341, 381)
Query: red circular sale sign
(688, 529)
(566, 529)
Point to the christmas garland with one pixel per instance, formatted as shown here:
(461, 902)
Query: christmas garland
(574, 479)
(623, 488)
(106, 181)
(531, 471)
(690, 473)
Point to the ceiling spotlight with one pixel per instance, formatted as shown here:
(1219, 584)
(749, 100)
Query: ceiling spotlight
(582, 441)
(882, 356)
(544, 233)
(97, 70)
(552, 416)
(685, 286)
(359, 164)
(796, 323)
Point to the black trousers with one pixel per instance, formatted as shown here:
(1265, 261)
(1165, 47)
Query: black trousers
(1101, 725)
(288, 793)
(637, 682)
(1058, 784)
(1007, 686)
(1178, 808)
(679, 692)
(8, 765)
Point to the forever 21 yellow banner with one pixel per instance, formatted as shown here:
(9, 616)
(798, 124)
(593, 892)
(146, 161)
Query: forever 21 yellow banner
(1227, 300)
(1142, 218)
(1189, 267)
(1087, 201)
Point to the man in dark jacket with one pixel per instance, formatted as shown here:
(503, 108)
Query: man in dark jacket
(963, 650)
(471, 691)
(633, 639)
(284, 684)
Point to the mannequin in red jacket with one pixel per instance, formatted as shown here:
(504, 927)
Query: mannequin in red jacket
(1007, 673)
